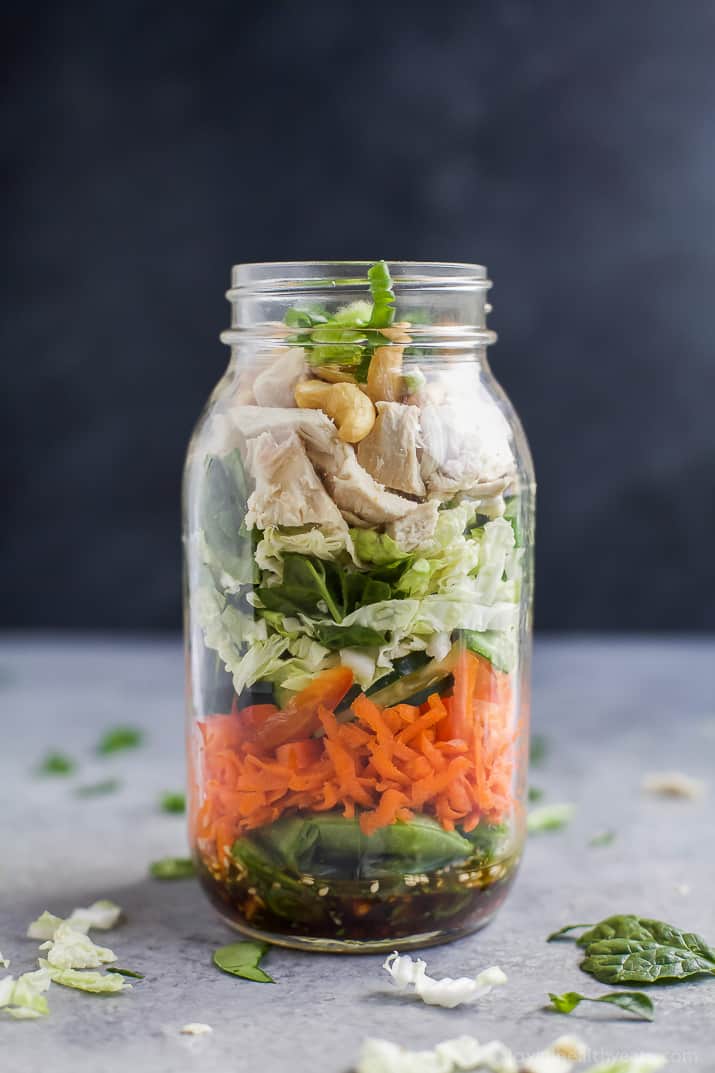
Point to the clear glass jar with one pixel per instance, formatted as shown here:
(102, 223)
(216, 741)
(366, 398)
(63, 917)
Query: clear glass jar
(358, 531)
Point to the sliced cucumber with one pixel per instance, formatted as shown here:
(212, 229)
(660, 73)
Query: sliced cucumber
(401, 667)
(414, 688)
(258, 693)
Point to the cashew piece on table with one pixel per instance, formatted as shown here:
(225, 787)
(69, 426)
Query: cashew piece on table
(349, 407)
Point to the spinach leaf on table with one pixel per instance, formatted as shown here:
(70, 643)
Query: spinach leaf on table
(628, 949)
(173, 801)
(56, 763)
(563, 933)
(538, 750)
(241, 959)
(118, 739)
(98, 789)
(173, 868)
(634, 1002)
(603, 838)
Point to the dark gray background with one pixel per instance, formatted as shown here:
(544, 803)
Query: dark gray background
(570, 147)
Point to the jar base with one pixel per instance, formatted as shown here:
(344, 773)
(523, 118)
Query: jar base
(323, 945)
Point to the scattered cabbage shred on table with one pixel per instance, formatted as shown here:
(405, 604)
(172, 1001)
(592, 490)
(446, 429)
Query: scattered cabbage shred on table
(465, 1053)
(72, 959)
(407, 973)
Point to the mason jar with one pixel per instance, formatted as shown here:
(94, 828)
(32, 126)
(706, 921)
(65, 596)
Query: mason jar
(358, 534)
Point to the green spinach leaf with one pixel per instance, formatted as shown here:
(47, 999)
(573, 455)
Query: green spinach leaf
(173, 868)
(98, 789)
(306, 583)
(603, 838)
(634, 1002)
(630, 949)
(119, 738)
(126, 972)
(563, 933)
(56, 763)
(335, 637)
(309, 582)
(173, 801)
(241, 959)
(538, 750)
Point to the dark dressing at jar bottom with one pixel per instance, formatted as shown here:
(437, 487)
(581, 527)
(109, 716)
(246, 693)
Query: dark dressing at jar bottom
(365, 916)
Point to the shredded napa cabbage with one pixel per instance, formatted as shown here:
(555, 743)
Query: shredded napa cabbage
(45, 926)
(23, 998)
(408, 973)
(320, 543)
(72, 949)
(98, 983)
(465, 578)
(450, 1056)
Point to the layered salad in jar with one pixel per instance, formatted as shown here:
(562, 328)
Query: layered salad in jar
(356, 553)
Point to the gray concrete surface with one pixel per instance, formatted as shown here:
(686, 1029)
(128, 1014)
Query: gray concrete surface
(611, 711)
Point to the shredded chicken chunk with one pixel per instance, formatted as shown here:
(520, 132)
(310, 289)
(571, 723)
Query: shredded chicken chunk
(288, 490)
(359, 496)
(417, 527)
(362, 500)
(389, 452)
(313, 425)
(465, 449)
(275, 385)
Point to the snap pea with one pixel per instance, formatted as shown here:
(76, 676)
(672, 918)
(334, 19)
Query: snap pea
(283, 894)
(332, 845)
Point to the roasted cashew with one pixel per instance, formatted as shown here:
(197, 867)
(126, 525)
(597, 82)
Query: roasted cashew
(384, 377)
(333, 374)
(349, 407)
(311, 394)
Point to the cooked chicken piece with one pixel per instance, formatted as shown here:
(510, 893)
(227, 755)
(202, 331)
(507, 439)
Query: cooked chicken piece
(288, 490)
(358, 495)
(243, 394)
(417, 527)
(389, 452)
(275, 384)
(312, 425)
(465, 448)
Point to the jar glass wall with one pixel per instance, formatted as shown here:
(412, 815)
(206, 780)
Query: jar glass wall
(358, 533)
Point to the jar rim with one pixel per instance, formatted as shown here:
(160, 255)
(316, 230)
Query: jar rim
(262, 276)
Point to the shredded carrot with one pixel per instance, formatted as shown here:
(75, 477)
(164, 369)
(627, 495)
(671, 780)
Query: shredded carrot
(452, 758)
(300, 718)
(391, 802)
(299, 754)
